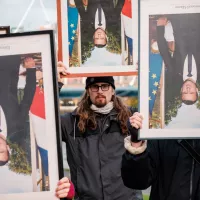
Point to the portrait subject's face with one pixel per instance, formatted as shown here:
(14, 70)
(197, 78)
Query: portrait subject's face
(189, 91)
(4, 148)
(100, 96)
(100, 37)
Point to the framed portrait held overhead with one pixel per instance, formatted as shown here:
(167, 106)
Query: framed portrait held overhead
(4, 30)
(170, 65)
(98, 37)
(30, 142)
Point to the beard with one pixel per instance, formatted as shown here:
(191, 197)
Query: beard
(100, 101)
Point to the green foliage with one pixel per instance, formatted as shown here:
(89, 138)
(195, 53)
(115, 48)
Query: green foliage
(18, 162)
(198, 103)
(87, 48)
(198, 100)
(155, 120)
(172, 109)
(145, 197)
(114, 43)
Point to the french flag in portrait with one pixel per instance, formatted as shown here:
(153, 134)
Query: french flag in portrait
(127, 23)
(38, 121)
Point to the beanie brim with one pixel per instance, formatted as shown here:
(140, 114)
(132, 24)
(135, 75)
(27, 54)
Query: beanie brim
(101, 79)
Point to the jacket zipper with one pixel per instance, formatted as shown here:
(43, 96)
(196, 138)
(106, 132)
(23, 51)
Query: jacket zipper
(191, 175)
(104, 121)
(101, 132)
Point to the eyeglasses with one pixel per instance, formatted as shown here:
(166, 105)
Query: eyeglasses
(104, 87)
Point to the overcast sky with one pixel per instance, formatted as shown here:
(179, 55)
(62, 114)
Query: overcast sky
(12, 11)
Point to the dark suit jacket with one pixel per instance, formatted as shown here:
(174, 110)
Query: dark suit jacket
(112, 14)
(186, 29)
(15, 113)
(87, 17)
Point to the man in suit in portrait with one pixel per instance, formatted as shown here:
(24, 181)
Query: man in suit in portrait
(181, 55)
(15, 112)
(99, 17)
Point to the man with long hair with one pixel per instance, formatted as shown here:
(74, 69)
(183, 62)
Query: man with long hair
(94, 135)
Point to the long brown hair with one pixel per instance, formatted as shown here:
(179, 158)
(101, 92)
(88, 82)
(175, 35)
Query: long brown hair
(88, 118)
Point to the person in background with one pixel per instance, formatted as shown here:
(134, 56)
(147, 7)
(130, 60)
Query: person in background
(168, 166)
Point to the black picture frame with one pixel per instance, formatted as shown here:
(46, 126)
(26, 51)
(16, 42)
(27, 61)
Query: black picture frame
(30, 44)
(4, 30)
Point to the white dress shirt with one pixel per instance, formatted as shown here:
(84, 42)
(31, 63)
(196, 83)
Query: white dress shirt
(103, 20)
(169, 33)
(3, 125)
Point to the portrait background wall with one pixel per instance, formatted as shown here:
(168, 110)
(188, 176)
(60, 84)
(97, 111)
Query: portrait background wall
(28, 116)
(169, 49)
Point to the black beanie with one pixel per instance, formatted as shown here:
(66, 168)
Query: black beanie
(100, 79)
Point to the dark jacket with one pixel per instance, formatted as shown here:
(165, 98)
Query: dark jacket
(87, 16)
(112, 14)
(167, 167)
(186, 30)
(16, 113)
(95, 158)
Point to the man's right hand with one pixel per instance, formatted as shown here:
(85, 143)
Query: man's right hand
(65, 189)
(136, 123)
(61, 70)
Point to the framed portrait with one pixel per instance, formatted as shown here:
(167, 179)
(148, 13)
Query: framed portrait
(170, 68)
(30, 143)
(4, 30)
(98, 37)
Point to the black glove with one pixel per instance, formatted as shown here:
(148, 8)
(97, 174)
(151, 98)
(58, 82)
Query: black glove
(133, 132)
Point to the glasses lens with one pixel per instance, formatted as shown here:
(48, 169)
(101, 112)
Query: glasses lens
(105, 87)
(94, 88)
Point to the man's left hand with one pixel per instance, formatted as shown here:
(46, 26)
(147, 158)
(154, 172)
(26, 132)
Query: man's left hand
(136, 120)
